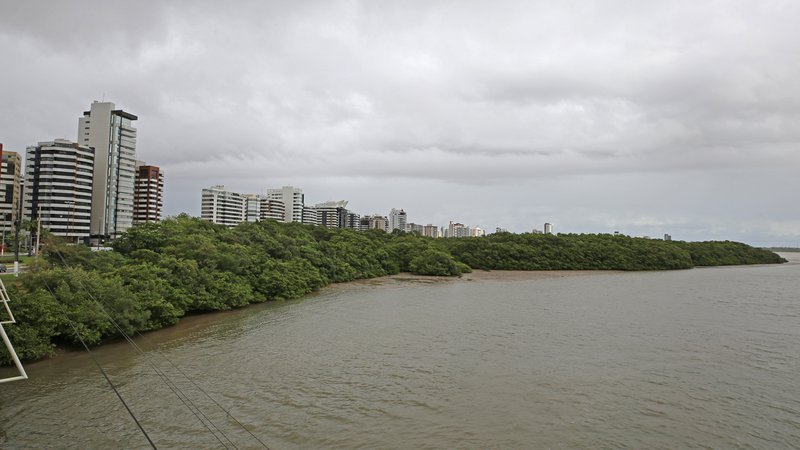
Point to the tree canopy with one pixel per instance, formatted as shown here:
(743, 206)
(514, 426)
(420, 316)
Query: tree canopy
(159, 272)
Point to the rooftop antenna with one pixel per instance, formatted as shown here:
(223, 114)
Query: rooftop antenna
(4, 300)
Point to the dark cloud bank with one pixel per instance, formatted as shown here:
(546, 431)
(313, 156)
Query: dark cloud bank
(677, 118)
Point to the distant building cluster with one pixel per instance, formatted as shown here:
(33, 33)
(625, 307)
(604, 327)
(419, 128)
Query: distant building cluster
(89, 190)
(287, 204)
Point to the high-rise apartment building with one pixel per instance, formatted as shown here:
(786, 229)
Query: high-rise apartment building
(252, 207)
(222, 207)
(431, 230)
(111, 133)
(353, 221)
(293, 202)
(148, 193)
(414, 228)
(58, 187)
(10, 187)
(310, 215)
(332, 214)
(376, 222)
(272, 209)
(548, 228)
(397, 220)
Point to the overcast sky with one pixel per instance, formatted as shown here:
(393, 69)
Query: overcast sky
(596, 116)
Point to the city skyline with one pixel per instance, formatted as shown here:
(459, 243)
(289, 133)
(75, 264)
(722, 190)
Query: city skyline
(676, 118)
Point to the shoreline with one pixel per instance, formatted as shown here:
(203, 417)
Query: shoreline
(190, 322)
(476, 275)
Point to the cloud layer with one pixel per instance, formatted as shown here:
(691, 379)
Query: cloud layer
(675, 118)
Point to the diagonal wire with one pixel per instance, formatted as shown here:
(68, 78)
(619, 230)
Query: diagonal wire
(203, 391)
(105, 375)
(174, 387)
(184, 374)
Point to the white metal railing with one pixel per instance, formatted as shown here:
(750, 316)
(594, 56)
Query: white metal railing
(4, 299)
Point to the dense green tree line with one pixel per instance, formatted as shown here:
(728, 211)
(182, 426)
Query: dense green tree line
(160, 272)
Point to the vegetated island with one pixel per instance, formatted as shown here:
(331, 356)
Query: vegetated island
(159, 272)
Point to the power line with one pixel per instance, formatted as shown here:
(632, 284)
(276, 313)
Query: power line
(105, 375)
(175, 389)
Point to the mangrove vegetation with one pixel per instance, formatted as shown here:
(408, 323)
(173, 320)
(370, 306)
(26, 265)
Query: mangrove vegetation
(160, 272)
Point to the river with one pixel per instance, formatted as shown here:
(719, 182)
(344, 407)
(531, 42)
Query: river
(701, 358)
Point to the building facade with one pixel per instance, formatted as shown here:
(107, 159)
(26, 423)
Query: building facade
(111, 133)
(293, 202)
(548, 228)
(272, 209)
(58, 188)
(397, 220)
(414, 228)
(252, 207)
(148, 193)
(310, 215)
(333, 214)
(376, 222)
(10, 187)
(222, 207)
(431, 230)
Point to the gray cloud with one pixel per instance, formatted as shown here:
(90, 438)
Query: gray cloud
(497, 114)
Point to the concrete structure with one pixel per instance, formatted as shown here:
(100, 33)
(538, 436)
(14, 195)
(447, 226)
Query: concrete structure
(397, 220)
(58, 188)
(222, 206)
(431, 230)
(10, 188)
(353, 220)
(375, 222)
(252, 207)
(148, 193)
(272, 209)
(310, 215)
(667, 237)
(477, 232)
(293, 202)
(414, 228)
(110, 133)
(548, 228)
(332, 214)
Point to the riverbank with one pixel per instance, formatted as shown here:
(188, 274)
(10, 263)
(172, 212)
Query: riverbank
(195, 323)
(634, 359)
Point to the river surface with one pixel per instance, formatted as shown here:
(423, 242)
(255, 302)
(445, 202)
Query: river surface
(701, 358)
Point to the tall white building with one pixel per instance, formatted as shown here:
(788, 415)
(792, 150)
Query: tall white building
(222, 207)
(548, 228)
(397, 220)
(293, 201)
(58, 187)
(111, 133)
